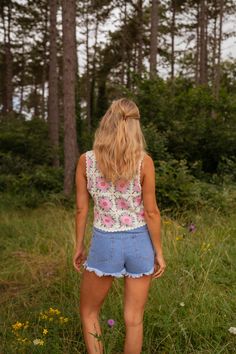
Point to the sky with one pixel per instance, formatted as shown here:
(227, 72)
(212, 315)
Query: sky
(228, 49)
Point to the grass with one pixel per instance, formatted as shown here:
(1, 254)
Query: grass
(189, 309)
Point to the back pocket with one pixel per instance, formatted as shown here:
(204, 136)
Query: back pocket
(144, 248)
(102, 248)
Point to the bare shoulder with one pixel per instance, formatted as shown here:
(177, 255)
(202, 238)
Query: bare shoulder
(81, 163)
(148, 163)
(147, 166)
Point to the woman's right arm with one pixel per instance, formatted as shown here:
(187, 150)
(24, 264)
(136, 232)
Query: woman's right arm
(152, 212)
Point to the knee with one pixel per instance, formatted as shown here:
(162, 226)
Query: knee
(133, 319)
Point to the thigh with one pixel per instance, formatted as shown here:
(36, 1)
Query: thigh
(135, 295)
(93, 290)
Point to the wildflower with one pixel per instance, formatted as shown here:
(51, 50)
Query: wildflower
(17, 325)
(178, 238)
(26, 324)
(43, 316)
(38, 341)
(63, 319)
(232, 330)
(111, 322)
(45, 331)
(182, 304)
(205, 246)
(192, 228)
(53, 311)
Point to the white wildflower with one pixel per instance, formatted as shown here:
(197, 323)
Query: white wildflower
(232, 330)
(38, 341)
(182, 304)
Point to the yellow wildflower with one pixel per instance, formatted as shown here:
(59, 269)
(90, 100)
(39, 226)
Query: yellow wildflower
(206, 246)
(43, 316)
(53, 311)
(179, 238)
(45, 331)
(26, 324)
(66, 319)
(17, 325)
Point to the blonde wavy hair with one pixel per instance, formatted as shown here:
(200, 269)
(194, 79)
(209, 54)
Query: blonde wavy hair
(119, 143)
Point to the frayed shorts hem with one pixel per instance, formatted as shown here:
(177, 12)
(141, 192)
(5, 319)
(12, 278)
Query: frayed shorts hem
(117, 274)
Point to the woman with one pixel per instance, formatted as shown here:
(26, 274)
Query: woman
(126, 242)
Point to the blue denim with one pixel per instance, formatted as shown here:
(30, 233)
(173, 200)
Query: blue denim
(121, 253)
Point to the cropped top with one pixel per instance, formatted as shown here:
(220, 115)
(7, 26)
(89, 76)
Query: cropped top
(117, 206)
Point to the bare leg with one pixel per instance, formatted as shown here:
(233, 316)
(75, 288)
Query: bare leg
(136, 293)
(93, 291)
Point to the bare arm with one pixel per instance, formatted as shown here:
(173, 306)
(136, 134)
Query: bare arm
(151, 210)
(82, 201)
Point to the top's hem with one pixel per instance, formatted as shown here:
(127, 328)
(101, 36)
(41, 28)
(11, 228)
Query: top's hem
(120, 229)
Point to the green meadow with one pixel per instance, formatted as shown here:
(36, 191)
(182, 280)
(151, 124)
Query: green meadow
(189, 310)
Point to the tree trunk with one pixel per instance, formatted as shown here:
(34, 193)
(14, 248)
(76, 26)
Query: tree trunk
(218, 71)
(197, 55)
(69, 82)
(53, 120)
(214, 54)
(93, 73)
(153, 40)
(140, 36)
(123, 48)
(44, 57)
(173, 40)
(88, 78)
(22, 77)
(7, 61)
(203, 51)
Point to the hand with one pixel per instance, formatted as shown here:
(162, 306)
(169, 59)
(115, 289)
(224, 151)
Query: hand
(79, 257)
(159, 267)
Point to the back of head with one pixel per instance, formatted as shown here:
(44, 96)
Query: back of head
(119, 142)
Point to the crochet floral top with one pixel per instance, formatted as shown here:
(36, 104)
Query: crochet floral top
(119, 206)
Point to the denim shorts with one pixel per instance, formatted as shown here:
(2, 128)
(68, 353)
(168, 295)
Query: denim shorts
(121, 253)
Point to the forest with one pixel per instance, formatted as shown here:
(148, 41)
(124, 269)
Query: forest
(62, 62)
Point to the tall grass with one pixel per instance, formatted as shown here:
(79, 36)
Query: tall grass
(189, 309)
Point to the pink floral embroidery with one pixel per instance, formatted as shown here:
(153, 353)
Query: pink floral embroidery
(141, 214)
(126, 219)
(122, 203)
(89, 161)
(122, 186)
(96, 215)
(101, 183)
(137, 200)
(107, 220)
(105, 203)
(136, 185)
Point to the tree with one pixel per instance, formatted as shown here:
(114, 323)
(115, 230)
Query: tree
(153, 41)
(69, 81)
(53, 119)
(6, 16)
